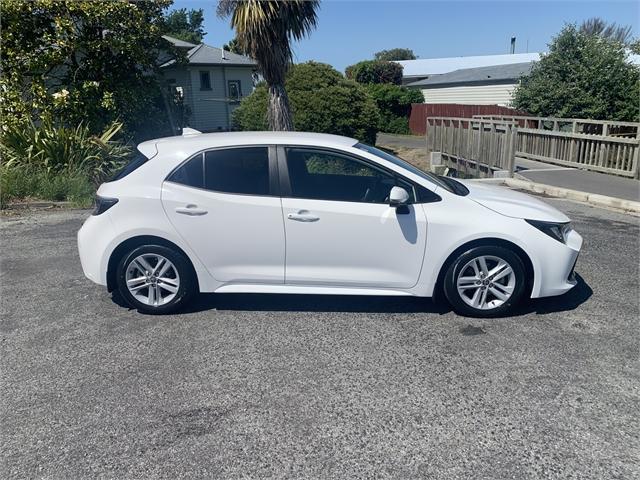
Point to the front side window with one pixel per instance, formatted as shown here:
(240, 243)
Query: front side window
(324, 175)
(237, 170)
(205, 81)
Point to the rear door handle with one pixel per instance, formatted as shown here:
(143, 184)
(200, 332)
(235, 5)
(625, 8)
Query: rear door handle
(191, 210)
(303, 216)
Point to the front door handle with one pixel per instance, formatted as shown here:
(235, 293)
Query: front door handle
(303, 216)
(191, 210)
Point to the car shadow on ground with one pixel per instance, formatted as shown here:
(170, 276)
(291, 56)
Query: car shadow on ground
(370, 304)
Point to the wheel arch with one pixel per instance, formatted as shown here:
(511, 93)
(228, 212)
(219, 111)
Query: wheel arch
(482, 242)
(137, 241)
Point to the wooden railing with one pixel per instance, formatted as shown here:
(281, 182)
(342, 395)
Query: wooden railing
(472, 147)
(602, 146)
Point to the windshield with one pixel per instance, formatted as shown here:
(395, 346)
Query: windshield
(439, 181)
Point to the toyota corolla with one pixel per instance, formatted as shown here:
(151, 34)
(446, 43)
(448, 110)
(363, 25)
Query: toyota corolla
(286, 212)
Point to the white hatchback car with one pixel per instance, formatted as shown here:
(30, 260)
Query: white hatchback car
(285, 212)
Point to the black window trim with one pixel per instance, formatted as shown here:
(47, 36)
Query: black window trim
(285, 182)
(274, 184)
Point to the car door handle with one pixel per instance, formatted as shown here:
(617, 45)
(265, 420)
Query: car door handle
(191, 210)
(303, 216)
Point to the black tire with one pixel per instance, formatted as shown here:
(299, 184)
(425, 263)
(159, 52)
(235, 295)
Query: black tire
(187, 282)
(458, 303)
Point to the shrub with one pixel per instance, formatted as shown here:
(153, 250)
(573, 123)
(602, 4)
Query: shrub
(322, 101)
(375, 71)
(394, 103)
(61, 150)
(19, 183)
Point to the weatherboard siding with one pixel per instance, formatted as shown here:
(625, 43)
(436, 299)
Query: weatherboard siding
(471, 95)
(210, 109)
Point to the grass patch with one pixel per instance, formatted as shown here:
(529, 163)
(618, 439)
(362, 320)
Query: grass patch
(22, 184)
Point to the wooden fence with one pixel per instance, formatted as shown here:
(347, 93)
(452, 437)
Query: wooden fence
(602, 146)
(421, 111)
(474, 148)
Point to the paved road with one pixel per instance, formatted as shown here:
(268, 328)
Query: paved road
(251, 386)
(572, 178)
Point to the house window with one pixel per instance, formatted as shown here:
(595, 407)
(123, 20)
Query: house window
(205, 81)
(234, 90)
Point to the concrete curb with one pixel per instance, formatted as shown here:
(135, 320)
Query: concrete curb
(576, 195)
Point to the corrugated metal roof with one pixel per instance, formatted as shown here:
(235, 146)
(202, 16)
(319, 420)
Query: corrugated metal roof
(432, 66)
(465, 76)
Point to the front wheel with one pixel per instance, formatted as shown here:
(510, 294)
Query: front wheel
(155, 279)
(485, 282)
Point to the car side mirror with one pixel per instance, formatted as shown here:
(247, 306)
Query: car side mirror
(398, 197)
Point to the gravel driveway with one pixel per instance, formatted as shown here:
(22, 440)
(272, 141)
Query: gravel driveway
(256, 386)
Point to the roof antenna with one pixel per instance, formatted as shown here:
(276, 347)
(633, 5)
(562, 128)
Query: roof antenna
(513, 45)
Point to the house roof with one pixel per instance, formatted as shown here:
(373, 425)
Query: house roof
(177, 42)
(431, 66)
(494, 73)
(207, 55)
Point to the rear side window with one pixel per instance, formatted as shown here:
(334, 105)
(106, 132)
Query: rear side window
(190, 173)
(237, 170)
(134, 164)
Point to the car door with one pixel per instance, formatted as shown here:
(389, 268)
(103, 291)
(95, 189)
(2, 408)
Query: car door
(225, 205)
(340, 229)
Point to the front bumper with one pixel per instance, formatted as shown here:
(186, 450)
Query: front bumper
(557, 266)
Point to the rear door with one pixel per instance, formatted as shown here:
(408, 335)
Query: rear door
(225, 205)
(340, 229)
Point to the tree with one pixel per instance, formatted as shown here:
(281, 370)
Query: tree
(265, 30)
(186, 25)
(83, 62)
(322, 101)
(582, 76)
(395, 54)
(234, 47)
(611, 31)
(375, 71)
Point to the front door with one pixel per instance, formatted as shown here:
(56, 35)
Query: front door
(223, 204)
(340, 229)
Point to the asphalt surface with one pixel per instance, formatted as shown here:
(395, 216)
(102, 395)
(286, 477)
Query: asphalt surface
(546, 173)
(257, 386)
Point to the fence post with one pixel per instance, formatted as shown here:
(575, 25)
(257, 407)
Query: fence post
(636, 156)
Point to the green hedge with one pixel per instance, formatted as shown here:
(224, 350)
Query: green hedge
(394, 103)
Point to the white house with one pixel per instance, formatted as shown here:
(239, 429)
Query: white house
(492, 85)
(211, 82)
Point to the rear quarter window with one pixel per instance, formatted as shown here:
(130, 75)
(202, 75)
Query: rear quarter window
(133, 165)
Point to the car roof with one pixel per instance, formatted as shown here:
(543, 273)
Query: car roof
(200, 141)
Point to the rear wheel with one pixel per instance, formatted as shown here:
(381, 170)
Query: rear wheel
(485, 282)
(155, 279)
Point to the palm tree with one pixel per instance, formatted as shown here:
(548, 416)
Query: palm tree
(265, 29)
(598, 27)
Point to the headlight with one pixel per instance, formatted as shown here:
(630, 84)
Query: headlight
(103, 204)
(557, 231)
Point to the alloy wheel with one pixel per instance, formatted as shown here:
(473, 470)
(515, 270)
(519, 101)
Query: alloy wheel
(486, 282)
(152, 279)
